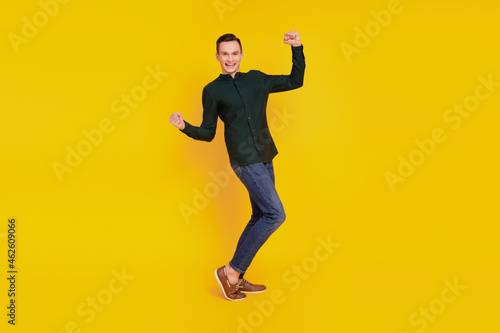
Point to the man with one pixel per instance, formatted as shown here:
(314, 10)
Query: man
(240, 100)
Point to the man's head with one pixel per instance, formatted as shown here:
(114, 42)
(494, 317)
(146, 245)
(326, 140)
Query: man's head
(229, 53)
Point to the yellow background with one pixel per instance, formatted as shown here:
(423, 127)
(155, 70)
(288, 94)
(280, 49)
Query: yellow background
(119, 209)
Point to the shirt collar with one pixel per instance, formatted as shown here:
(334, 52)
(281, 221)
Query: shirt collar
(228, 76)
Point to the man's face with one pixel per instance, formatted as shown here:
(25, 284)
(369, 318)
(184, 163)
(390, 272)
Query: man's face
(229, 57)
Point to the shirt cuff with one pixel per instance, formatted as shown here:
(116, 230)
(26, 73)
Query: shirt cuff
(187, 127)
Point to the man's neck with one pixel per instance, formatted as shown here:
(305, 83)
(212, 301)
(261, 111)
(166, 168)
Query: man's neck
(232, 74)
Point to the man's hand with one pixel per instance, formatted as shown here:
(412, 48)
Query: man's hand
(292, 38)
(177, 121)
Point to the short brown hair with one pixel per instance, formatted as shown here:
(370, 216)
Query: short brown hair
(228, 38)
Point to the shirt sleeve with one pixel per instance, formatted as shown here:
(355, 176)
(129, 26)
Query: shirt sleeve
(206, 131)
(277, 83)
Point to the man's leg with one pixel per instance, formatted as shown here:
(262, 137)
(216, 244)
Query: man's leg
(259, 181)
(256, 214)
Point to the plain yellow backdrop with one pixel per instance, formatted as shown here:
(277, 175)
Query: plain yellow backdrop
(127, 238)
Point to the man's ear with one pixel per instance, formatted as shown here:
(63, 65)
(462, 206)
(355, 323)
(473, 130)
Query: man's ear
(217, 56)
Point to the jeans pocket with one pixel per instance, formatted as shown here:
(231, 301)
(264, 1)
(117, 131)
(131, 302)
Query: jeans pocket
(237, 170)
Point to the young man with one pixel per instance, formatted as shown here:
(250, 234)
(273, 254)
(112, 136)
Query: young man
(240, 100)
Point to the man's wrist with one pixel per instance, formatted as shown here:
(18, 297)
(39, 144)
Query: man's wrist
(186, 127)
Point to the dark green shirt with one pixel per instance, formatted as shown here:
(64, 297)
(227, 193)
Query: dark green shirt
(241, 104)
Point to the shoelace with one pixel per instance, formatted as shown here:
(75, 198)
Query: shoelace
(239, 284)
(237, 287)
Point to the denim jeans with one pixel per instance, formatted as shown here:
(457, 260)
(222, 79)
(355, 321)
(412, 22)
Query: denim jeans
(267, 212)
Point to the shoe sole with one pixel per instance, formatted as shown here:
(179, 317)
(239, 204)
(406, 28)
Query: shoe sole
(253, 292)
(223, 291)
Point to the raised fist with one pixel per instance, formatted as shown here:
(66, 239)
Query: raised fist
(177, 121)
(292, 38)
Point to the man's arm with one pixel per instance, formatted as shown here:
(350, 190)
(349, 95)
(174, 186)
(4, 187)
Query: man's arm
(206, 131)
(277, 83)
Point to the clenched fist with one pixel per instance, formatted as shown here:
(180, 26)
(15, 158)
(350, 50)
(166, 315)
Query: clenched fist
(177, 121)
(292, 38)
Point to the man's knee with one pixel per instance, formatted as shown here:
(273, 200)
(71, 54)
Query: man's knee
(283, 216)
(279, 217)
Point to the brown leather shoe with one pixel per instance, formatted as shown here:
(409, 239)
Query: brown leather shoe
(250, 288)
(231, 291)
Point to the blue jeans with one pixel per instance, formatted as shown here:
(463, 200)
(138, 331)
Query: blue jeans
(267, 212)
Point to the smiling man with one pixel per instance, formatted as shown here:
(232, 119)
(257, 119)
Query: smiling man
(239, 100)
(229, 54)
